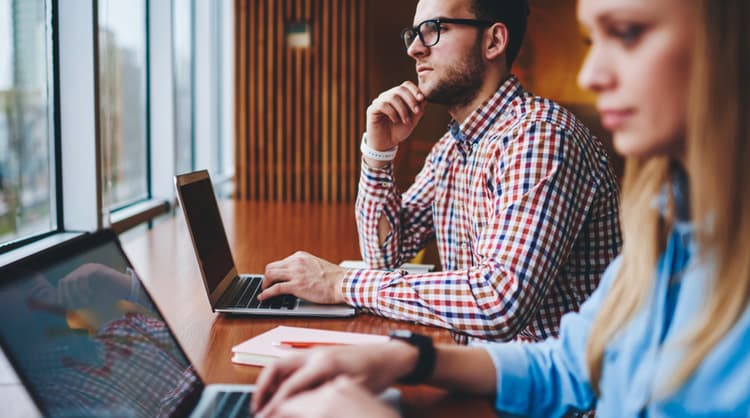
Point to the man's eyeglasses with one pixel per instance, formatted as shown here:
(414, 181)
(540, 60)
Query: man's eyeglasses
(429, 30)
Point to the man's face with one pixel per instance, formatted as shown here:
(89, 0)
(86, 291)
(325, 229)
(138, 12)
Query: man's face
(451, 72)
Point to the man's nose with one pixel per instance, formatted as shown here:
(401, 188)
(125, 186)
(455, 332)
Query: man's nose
(417, 48)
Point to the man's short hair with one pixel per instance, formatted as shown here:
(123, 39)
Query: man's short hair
(512, 13)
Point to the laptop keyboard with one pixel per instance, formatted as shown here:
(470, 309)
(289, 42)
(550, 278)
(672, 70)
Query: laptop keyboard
(243, 293)
(231, 405)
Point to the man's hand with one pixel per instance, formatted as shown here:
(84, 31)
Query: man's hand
(392, 116)
(338, 398)
(92, 285)
(373, 366)
(305, 276)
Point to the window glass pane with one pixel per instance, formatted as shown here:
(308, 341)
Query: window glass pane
(216, 66)
(224, 49)
(122, 100)
(182, 12)
(26, 188)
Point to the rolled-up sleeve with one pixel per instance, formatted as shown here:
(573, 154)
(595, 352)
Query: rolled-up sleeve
(549, 378)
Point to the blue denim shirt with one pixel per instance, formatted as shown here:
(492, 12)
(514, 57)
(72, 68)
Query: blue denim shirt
(549, 378)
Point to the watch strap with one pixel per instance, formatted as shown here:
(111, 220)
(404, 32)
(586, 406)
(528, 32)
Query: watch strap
(425, 359)
(367, 151)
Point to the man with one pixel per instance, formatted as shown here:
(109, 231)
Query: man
(521, 199)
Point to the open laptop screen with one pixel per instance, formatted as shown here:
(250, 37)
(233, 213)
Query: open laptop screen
(86, 338)
(204, 220)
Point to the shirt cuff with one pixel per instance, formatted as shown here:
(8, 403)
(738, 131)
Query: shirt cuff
(512, 370)
(376, 182)
(360, 287)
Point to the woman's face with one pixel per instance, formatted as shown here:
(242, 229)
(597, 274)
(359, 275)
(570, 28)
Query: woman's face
(639, 67)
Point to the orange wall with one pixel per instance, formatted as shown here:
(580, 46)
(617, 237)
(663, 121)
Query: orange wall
(552, 52)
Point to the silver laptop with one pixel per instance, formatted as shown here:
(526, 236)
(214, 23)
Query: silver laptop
(87, 340)
(227, 290)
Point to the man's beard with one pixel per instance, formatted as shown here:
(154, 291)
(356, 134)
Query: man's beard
(461, 83)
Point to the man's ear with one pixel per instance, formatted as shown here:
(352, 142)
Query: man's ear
(496, 41)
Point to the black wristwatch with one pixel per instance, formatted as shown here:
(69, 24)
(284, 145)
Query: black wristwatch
(425, 360)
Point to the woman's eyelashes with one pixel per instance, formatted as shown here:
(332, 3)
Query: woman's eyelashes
(627, 34)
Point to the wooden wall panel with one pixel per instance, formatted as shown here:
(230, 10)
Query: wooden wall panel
(300, 112)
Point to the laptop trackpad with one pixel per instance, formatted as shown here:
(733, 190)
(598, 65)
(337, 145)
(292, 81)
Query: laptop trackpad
(317, 309)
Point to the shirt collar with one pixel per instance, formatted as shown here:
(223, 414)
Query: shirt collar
(681, 193)
(479, 121)
(678, 189)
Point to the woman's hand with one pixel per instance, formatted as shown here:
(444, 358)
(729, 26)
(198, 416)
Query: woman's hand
(373, 366)
(343, 397)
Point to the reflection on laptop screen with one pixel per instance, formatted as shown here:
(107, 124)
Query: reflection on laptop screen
(202, 214)
(87, 340)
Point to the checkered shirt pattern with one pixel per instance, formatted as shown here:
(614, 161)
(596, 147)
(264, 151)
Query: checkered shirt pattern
(139, 368)
(523, 202)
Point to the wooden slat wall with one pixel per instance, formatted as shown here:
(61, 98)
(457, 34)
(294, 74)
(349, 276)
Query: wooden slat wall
(300, 112)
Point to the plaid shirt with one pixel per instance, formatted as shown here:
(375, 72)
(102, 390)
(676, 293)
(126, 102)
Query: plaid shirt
(524, 205)
(139, 372)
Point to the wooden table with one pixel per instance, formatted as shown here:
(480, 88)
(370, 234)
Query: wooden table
(258, 234)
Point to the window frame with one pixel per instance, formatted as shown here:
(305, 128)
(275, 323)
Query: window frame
(53, 134)
(128, 214)
(73, 118)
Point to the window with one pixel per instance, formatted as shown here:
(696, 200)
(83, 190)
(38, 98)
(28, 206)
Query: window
(83, 89)
(224, 87)
(213, 92)
(27, 188)
(122, 101)
(182, 15)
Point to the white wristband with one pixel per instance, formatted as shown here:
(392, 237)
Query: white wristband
(372, 154)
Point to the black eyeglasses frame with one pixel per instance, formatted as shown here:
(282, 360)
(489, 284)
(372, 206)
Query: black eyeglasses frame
(416, 29)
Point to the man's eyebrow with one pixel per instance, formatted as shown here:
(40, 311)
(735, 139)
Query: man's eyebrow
(431, 18)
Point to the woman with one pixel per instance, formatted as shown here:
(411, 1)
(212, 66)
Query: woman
(666, 333)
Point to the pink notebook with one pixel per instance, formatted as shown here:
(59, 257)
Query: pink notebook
(263, 349)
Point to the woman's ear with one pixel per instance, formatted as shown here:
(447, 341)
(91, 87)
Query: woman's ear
(496, 42)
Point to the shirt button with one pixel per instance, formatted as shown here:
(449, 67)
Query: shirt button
(464, 245)
(384, 185)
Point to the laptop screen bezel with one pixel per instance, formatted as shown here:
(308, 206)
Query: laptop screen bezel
(51, 256)
(189, 178)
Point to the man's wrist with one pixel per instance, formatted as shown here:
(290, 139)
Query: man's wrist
(376, 157)
(374, 164)
(343, 287)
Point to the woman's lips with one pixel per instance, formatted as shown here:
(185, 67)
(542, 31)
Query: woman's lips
(612, 119)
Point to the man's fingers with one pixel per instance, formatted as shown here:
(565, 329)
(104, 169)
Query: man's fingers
(409, 98)
(386, 109)
(67, 295)
(414, 90)
(404, 108)
(276, 264)
(275, 275)
(281, 288)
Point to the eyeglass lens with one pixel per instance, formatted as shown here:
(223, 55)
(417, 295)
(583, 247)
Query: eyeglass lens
(429, 32)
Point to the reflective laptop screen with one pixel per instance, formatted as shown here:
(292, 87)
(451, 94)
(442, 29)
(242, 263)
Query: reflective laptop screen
(203, 216)
(88, 341)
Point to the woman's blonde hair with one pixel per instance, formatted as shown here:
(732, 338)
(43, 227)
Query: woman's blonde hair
(717, 154)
